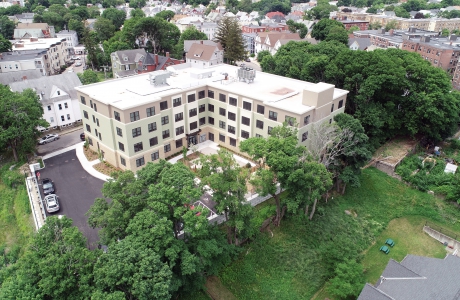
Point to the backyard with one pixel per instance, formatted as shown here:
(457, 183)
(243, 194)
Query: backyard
(300, 257)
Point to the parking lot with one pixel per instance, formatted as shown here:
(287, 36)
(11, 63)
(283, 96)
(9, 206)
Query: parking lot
(76, 190)
(65, 140)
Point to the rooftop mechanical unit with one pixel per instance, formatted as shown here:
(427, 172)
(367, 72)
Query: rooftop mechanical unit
(158, 78)
(246, 74)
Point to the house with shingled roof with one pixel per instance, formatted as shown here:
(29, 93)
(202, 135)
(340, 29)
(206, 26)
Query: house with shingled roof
(417, 277)
(268, 40)
(201, 55)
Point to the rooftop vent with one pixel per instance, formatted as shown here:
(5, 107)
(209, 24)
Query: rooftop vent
(246, 74)
(158, 78)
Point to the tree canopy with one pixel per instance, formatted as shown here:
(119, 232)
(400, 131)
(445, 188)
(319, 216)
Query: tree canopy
(5, 45)
(229, 36)
(191, 33)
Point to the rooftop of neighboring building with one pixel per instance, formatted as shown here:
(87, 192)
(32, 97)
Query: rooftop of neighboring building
(363, 43)
(189, 43)
(42, 26)
(27, 44)
(10, 77)
(67, 32)
(276, 91)
(22, 55)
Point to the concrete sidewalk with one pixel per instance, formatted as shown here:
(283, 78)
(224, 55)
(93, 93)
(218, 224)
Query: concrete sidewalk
(88, 165)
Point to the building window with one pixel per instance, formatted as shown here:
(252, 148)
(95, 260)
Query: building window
(90, 141)
(211, 136)
(202, 121)
(62, 118)
(97, 120)
(332, 107)
(122, 161)
(164, 120)
(166, 134)
(304, 136)
(85, 114)
(340, 104)
(179, 117)
(95, 107)
(232, 142)
(290, 120)
(306, 120)
(83, 100)
(269, 129)
(136, 132)
(260, 109)
(201, 94)
(222, 111)
(60, 106)
(222, 98)
(140, 162)
(51, 120)
(119, 132)
(177, 102)
(153, 141)
(193, 125)
(138, 147)
(258, 135)
(210, 94)
(179, 143)
(179, 130)
(167, 148)
(94, 119)
(155, 155)
(202, 108)
(231, 129)
(121, 146)
(117, 115)
(211, 120)
(232, 101)
(244, 134)
(134, 116)
(259, 124)
(150, 111)
(245, 121)
(231, 116)
(272, 115)
(330, 121)
(222, 124)
(192, 112)
(246, 105)
(211, 107)
(163, 105)
(221, 137)
(152, 126)
(88, 128)
(49, 107)
(65, 104)
(191, 98)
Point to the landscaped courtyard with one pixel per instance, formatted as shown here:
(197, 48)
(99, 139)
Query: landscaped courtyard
(295, 262)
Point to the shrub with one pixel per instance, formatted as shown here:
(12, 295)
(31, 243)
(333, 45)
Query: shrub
(12, 178)
(40, 161)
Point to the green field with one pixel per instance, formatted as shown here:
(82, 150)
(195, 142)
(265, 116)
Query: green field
(296, 262)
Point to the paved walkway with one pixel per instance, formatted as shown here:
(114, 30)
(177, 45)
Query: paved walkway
(88, 165)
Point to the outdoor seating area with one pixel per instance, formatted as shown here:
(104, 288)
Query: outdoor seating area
(384, 248)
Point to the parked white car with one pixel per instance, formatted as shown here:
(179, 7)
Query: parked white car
(48, 138)
(52, 203)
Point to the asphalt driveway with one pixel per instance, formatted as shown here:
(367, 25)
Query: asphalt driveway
(65, 140)
(76, 189)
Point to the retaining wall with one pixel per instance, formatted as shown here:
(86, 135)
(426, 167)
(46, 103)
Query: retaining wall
(442, 238)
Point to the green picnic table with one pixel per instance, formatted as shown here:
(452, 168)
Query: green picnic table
(390, 242)
(385, 249)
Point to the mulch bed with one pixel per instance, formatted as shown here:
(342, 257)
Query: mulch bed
(105, 168)
(90, 154)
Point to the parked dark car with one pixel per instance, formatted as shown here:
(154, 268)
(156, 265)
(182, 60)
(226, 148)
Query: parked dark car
(48, 186)
(82, 136)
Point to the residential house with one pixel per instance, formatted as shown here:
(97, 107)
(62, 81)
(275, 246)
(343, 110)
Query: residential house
(56, 53)
(71, 37)
(136, 61)
(37, 30)
(24, 18)
(186, 22)
(201, 55)
(152, 116)
(208, 28)
(31, 60)
(58, 97)
(249, 42)
(268, 40)
(274, 14)
(10, 77)
(416, 277)
(359, 43)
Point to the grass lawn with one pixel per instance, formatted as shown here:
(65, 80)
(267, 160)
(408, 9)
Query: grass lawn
(299, 259)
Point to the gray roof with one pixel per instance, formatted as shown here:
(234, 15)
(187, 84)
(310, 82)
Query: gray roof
(22, 55)
(47, 85)
(363, 43)
(371, 293)
(417, 277)
(189, 43)
(133, 55)
(10, 77)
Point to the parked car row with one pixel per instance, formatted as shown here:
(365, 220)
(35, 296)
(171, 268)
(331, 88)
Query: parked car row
(48, 138)
(51, 200)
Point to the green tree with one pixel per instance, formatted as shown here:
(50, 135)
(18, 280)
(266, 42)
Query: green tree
(338, 34)
(20, 115)
(78, 27)
(353, 29)
(262, 54)
(162, 35)
(297, 27)
(393, 24)
(137, 13)
(229, 36)
(6, 27)
(348, 281)
(322, 29)
(5, 45)
(137, 3)
(88, 77)
(104, 29)
(95, 55)
(191, 33)
(166, 15)
(445, 32)
(116, 16)
(321, 11)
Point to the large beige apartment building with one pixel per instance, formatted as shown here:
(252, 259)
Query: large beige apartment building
(150, 116)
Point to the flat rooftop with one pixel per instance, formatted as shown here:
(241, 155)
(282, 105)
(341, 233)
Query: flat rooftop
(276, 91)
(39, 44)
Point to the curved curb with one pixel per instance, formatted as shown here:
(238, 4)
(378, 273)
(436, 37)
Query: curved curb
(88, 165)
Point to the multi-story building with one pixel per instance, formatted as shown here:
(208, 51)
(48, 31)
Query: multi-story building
(208, 28)
(363, 25)
(57, 95)
(146, 117)
(201, 55)
(136, 61)
(57, 52)
(36, 30)
(271, 41)
(249, 42)
(71, 37)
(24, 60)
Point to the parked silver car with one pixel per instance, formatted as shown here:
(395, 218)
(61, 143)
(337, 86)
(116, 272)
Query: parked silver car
(52, 203)
(48, 138)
